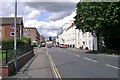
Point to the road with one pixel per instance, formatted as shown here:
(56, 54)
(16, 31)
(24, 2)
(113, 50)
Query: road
(75, 63)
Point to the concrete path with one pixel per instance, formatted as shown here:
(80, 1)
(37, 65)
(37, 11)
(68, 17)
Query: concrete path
(37, 67)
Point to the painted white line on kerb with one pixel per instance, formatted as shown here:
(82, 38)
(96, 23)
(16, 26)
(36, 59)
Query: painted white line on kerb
(90, 59)
(76, 55)
(112, 66)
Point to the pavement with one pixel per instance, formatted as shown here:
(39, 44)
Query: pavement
(37, 67)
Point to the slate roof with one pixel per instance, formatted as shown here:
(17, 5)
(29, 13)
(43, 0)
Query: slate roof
(9, 20)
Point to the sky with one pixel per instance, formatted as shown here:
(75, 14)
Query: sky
(48, 16)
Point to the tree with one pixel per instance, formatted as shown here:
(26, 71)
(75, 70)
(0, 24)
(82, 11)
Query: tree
(101, 19)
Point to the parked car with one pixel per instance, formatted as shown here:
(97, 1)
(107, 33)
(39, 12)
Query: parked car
(42, 45)
(63, 46)
(52, 45)
(57, 46)
(49, 45)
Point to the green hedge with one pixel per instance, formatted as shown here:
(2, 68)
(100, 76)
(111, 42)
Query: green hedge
(9, 43)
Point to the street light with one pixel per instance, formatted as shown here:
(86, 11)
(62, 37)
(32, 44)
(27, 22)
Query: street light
(15, 21)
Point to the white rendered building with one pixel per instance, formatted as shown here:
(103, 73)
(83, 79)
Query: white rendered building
(73, 37)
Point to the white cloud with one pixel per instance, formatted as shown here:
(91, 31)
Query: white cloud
(59, 15)
(45, 28)
(6, 8)
(40, 0)
(34, 14)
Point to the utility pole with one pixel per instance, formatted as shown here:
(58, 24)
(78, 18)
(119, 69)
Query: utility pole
(15, 21)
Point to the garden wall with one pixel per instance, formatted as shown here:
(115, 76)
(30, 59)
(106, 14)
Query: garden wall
(9, 69)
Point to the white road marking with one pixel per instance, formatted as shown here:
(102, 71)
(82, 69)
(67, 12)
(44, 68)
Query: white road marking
(90, 59)
(112, 66)
(76, 55)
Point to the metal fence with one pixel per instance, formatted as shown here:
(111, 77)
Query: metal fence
(8, 55)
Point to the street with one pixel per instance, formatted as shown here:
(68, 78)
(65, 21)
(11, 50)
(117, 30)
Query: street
(78, 64)
(70, 63)
(60, 39)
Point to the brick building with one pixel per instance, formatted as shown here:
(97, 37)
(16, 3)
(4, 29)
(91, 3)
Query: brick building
(32, 33)
(42, 38)
(7, 27)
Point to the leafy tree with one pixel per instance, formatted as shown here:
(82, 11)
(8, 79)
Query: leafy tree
(111, 26)
(100, 18)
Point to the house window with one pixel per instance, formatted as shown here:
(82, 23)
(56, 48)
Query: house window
(12, 34)
(25, 29)
(29, 34)
(12, 26)
(25, 34)
(29, 29)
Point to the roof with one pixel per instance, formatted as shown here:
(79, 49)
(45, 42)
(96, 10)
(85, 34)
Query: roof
(29, 28)
(9, 20)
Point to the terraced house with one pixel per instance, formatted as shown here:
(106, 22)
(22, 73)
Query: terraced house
(7, 28)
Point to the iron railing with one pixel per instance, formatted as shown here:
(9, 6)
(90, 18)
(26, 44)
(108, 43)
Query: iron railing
(7, 55)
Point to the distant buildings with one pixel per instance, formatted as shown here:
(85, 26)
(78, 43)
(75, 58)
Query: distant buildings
(7, 30)
(7, 27)
(33, 34)
(73, 37)
(42, 38)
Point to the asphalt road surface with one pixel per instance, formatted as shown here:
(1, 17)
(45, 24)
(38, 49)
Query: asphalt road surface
(78, 64)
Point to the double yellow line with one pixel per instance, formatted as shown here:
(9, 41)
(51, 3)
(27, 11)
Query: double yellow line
(55, 69)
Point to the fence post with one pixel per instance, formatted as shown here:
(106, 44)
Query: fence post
(6, 56)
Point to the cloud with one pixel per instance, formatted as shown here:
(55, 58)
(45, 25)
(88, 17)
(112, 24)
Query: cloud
(40, 0)
(52, 28)
(53, 6)
(58, 10)
(6, 8)
(60, 15)
(34, 14)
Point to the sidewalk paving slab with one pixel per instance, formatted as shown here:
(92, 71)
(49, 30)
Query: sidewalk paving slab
(37, 67)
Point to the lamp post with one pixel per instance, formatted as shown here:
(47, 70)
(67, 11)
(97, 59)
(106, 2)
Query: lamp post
(15, 21)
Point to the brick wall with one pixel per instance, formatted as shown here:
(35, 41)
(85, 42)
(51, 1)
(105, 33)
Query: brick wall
(10, 70)
(6, 32)
(4, 71)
